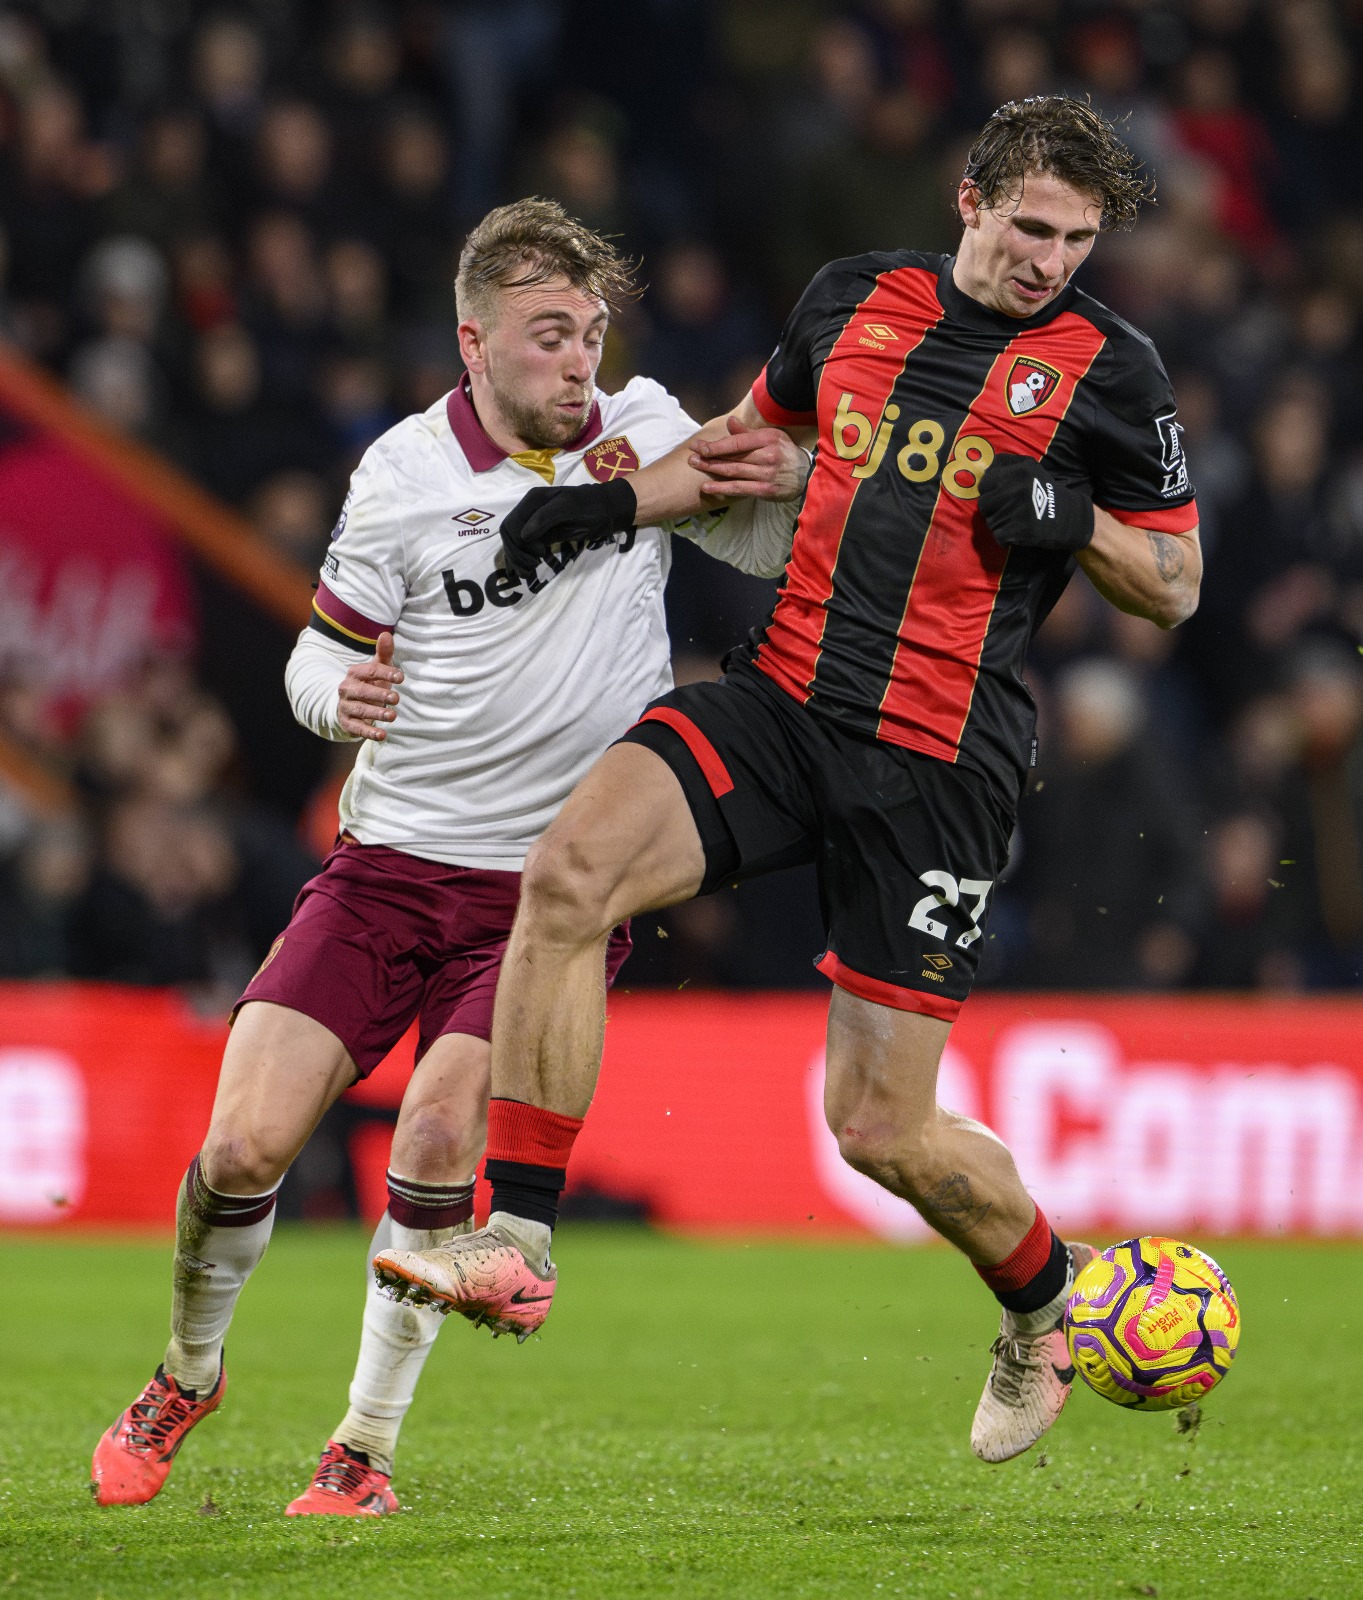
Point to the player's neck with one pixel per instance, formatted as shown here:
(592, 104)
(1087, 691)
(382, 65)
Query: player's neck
(490, 417)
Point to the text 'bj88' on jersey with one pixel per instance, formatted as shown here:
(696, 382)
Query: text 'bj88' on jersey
(901, 617)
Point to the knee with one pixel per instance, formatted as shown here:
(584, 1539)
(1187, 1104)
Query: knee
(565, 892)
(899, 1158)
(240, 1161)
(438, 1144)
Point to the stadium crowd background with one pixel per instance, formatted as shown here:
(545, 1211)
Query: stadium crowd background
(233, 232)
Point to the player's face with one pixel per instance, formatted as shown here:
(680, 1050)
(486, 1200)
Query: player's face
(1017, 256)
(539, 358)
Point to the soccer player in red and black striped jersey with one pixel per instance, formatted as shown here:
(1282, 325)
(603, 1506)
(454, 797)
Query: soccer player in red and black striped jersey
(982, 426)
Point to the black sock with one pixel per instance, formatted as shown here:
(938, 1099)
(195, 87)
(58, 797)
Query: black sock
(526, 1190)
(1048, 1283)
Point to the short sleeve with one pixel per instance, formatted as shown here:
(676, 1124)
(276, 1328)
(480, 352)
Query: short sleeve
(363, 585)
(786, 390)
(1135, 448)
(666, 422)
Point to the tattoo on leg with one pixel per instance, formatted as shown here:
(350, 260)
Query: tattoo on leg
(1168, 556)
(954, 1205)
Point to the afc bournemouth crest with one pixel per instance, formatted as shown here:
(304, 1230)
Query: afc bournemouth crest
(611, 459)
(1031, 383)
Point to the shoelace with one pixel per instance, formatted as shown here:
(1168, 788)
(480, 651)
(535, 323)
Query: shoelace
(1012, 1360)
(152, 1421)
(342, 1474)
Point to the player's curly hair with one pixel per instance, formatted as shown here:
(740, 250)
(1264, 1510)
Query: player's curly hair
(1062, 135)
(533, 241)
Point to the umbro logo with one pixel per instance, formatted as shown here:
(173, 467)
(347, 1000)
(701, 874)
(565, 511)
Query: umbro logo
(1043, 500)
(939, 961)
(472, 521)
(879, 333)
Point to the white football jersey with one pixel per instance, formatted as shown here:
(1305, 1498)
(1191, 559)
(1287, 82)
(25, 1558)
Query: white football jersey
(511, 689)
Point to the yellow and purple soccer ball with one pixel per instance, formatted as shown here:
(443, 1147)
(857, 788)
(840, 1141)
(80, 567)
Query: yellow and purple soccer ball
(1152, 1323)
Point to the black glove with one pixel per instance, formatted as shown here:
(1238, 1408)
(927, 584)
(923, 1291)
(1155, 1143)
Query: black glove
(1024, 505)
(542, 518)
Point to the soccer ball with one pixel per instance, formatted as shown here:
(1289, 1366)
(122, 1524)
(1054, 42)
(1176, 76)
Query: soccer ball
(1152, 1323)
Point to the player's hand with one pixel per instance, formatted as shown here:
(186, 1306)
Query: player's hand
(369, 696)
(1026, 506)
(543, 518)
(762, 463)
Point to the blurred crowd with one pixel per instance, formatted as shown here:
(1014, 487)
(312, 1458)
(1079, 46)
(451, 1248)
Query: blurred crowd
(232, 230)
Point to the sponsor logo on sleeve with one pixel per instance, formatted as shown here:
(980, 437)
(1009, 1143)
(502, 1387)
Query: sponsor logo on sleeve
(1043, 500)
(611, 459)
(1172, 459)
(1030, 384)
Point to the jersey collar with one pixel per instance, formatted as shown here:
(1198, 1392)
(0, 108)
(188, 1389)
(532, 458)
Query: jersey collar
(481, 450)
(963, 308)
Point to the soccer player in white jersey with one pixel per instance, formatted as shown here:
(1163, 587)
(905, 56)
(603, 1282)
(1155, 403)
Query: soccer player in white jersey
(482, 697)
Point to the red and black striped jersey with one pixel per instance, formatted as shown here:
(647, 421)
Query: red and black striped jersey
(900, 616)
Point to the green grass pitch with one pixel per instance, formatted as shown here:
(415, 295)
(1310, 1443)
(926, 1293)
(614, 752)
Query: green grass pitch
(698, 1420)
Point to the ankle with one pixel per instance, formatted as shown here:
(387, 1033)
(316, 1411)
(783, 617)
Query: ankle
(194, 1367)
(376, 1438)
(533, 1239)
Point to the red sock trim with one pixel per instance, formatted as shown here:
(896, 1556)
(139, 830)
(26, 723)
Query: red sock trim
(1017, 1270)
(518, 1132)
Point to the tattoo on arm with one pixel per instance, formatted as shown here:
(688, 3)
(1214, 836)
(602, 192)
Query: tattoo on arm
(1168, 555)
(953, 1205)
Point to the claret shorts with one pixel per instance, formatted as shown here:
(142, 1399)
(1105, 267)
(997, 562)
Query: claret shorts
(379, 939)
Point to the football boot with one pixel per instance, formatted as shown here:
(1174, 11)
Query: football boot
(482, 1275)
(1030, 1380)
(133, 1459)
(345, 1485)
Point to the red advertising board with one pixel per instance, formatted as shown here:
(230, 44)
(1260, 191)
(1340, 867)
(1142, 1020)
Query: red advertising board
(1124, 1114)
(90, 581)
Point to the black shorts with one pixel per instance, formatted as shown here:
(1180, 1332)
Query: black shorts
(907, 847)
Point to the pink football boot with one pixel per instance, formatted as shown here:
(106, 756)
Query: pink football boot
(483, 1276)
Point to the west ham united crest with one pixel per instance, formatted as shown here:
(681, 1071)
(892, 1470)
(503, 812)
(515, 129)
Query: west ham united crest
(1031, 383)
(613, 458)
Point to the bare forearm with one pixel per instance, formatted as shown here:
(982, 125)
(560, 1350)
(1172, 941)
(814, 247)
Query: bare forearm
(670, 488)
(1144, 572)
(736, 456)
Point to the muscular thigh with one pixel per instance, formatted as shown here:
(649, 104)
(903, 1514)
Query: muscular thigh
(882, 1068)
(280, 1072)
(626, 835)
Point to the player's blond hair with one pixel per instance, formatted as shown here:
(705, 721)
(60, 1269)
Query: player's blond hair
(531, 242)
(1059, 134)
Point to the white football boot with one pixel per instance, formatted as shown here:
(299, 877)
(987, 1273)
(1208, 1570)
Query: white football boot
(1031, 1377)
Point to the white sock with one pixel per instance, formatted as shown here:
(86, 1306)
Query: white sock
(219, 1240)
(532, 1239)
(395, 1340)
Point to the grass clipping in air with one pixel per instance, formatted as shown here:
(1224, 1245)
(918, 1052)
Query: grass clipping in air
(696, 1421)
